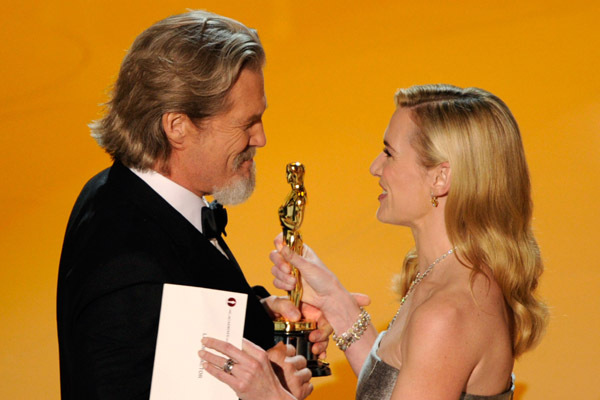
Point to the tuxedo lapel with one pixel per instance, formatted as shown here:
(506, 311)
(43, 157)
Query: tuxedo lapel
(227, 251)
(191, 244)
(151, 203)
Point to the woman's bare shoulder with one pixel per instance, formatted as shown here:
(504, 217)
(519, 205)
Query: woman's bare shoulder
(458, 334)
(442, 320)
(437, 342)
(459, 316)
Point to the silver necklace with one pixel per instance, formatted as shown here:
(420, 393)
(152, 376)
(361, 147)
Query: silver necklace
(418, 279)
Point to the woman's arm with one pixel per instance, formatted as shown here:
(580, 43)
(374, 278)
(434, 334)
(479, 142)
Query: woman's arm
(324, 291)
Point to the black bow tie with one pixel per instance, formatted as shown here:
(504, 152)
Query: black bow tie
(214, 220)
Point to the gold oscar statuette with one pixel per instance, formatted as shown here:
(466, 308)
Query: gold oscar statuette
(291, 214)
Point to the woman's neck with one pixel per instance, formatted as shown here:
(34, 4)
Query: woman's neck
(431, 242)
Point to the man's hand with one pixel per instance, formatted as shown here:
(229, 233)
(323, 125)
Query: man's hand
(291, 370)
(282, 307)
(252, 376)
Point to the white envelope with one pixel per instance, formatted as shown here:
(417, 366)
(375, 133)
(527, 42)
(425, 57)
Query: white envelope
(187, 315)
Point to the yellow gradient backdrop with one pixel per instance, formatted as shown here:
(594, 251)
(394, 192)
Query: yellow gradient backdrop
(332, 70)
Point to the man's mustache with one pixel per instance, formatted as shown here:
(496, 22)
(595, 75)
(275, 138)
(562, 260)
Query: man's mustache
(246, 155)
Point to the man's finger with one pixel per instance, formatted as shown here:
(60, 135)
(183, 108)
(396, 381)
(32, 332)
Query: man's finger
(284, 307)
(299, 362)
(277, 353)
(290, 350)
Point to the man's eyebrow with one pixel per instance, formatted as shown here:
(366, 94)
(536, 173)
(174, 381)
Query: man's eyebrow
(254, 118)
(258, 116)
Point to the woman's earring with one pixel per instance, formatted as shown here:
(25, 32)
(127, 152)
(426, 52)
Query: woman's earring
(434, 200)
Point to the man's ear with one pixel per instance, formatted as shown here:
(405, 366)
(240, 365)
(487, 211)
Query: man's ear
(441, 179)
(174, 125)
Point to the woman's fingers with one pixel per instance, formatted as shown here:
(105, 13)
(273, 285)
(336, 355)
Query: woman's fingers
(362, 300)
(279, 261)
(279, 241)
(283, 280)
(283, 255)
(312, 268)
(281, 270)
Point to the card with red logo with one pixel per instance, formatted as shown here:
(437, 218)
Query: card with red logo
(187, 315)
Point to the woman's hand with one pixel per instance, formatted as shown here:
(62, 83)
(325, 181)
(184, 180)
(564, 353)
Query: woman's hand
(252, 376)
(322, 289)
(327, 299)
(318, 282)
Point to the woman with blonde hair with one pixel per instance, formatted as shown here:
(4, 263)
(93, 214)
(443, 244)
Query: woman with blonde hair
(453, 170)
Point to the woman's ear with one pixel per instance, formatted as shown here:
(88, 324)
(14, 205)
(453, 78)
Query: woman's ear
(173, 124)
(441, 175)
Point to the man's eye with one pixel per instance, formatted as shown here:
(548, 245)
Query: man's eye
(386, 152)
(251, 124)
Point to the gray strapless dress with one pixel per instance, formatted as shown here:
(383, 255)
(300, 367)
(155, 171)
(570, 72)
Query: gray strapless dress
(377, 379)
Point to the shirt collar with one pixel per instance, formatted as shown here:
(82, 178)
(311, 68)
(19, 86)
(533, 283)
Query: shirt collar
(184, 201)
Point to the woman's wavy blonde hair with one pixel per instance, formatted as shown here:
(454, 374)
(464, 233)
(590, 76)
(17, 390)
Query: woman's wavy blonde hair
(185, 63)
(489, 209)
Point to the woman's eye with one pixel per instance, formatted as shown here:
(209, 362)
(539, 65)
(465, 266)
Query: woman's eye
(386, 152)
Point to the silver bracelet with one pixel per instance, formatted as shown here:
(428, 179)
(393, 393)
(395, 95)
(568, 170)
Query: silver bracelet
(354, 333)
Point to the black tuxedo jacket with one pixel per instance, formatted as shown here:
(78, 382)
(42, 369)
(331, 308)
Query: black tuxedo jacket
(123, 242)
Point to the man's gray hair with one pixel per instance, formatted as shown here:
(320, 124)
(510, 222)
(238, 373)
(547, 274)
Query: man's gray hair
(185, 63)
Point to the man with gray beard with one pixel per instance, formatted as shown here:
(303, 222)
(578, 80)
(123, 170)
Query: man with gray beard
(184, 121)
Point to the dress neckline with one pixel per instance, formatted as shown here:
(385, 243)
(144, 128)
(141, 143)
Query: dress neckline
(464, 395)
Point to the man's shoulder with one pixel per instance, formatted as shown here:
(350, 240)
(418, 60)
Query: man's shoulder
(96, 181)
(108, 198)
(110, 241)
(108, 181)
(91, 193)
(105, 222)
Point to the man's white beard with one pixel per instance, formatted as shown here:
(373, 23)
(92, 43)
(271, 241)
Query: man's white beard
(237, 191)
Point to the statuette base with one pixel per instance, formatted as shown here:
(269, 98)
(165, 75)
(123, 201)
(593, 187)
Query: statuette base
(296, 333)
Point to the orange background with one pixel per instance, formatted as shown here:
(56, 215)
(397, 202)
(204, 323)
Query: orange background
(332, 70)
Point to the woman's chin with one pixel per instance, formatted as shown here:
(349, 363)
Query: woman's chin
(381, 216)
(384, 217)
